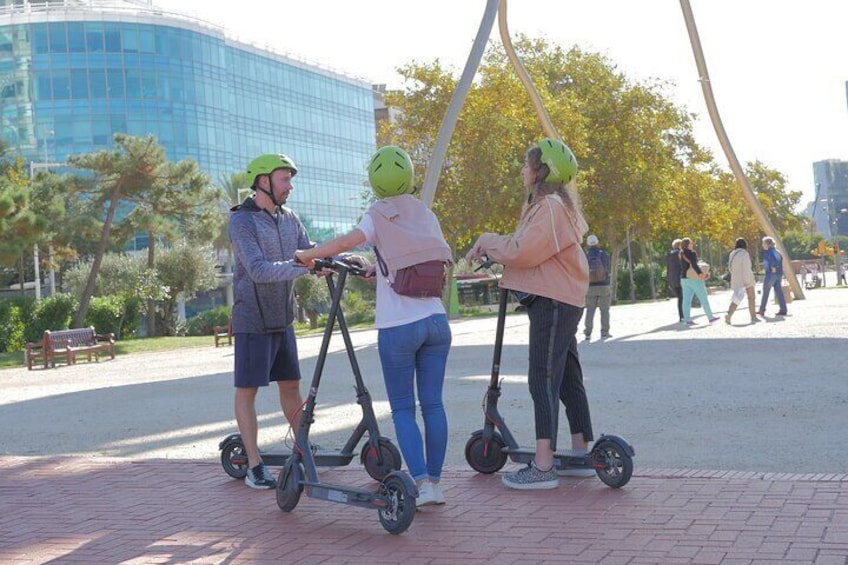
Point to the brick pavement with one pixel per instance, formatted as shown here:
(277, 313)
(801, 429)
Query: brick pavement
(103, 510)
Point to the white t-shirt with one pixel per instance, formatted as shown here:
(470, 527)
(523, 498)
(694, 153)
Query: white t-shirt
(394, 309)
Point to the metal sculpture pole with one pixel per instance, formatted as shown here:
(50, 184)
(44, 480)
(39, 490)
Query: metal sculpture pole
(750, 197)
(524, 76)
(434, 168)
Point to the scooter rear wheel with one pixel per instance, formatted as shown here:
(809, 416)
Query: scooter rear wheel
(378, 465)
(290, 485)
(485, 456)
(618, 465)
(234, 459)
(397, 518)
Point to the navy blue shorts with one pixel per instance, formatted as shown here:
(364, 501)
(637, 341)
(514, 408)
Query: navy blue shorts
(262, 358)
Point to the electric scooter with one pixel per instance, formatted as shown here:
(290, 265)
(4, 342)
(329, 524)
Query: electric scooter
(379, 455)
(395, 496)
(487, 450)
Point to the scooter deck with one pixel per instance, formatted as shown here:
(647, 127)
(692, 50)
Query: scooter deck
(322, 459)
(563, 459)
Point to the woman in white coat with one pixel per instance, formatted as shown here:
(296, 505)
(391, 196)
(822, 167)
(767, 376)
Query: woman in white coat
(741, 280)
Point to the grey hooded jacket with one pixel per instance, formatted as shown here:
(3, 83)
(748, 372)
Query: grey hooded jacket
(263, 281)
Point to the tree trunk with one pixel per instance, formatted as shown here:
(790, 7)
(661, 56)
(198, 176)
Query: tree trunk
(151, 304)
(79, 319)
(649, 264)
(22, 276)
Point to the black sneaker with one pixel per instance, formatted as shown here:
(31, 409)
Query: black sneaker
(259, 477)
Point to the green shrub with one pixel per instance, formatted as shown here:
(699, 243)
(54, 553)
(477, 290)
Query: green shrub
(52, 313)
(356, 309)
(12, 327)
(133, 308)
(203, 323)
(106, 313)
(642, 283)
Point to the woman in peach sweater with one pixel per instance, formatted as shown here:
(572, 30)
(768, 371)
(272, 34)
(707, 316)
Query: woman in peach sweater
(544, 258)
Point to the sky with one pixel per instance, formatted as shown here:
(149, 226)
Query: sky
(777, 68)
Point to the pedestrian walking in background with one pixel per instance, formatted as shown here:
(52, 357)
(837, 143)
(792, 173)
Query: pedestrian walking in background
(773, 266)
(692, 279)
(672, 276)
(599, 295)
(741, 280)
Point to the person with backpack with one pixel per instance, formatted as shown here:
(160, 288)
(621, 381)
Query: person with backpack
(599, 295)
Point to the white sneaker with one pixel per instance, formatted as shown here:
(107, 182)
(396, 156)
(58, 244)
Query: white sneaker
(426, 495)
(438, 494)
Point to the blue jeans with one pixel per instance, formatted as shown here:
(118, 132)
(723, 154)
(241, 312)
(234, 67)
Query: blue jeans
(419, 349)
(769, 282)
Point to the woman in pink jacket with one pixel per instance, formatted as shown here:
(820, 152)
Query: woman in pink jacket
(413, 334)
(544, 258)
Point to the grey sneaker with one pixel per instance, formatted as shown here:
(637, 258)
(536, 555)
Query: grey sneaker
(259, 477)
(531, 478)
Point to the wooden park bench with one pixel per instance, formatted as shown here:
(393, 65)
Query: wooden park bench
(222, 333)
(70, 344)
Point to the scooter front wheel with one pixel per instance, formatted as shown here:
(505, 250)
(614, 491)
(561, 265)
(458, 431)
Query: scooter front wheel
(381, 460)
(485, 456)
(290, 485)
(234, 459)
(617, 463)
(398, 516)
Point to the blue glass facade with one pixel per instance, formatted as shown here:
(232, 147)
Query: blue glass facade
(67, 86)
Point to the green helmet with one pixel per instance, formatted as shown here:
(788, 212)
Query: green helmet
(267, 164)
(390, 172)
(559, 159)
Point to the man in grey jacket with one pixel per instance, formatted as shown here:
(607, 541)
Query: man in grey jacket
(265, 235)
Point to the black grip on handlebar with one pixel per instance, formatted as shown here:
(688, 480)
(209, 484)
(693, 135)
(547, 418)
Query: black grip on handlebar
(339, 264)
(486, 264)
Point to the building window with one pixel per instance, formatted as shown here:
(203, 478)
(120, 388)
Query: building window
(94, 37)
(58, 41)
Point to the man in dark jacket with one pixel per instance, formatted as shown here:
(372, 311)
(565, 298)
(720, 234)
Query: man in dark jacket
(599, 294)
(672, 275)
(265, 235)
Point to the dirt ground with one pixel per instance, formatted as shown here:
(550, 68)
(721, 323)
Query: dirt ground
(764, 397)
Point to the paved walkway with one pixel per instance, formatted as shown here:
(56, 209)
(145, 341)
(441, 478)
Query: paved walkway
(101, 510)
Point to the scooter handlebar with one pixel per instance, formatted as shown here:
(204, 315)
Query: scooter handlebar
(486, 264)
(340, 264)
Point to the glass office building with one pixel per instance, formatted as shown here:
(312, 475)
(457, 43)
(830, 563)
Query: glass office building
(830, 208)
(75, 72)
